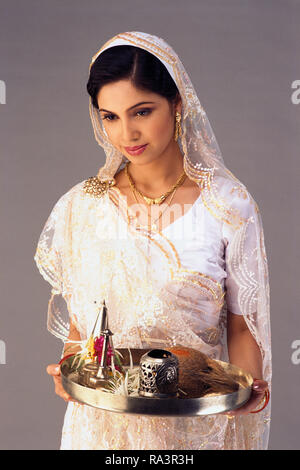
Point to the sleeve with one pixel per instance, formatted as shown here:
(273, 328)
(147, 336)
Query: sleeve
(50, 263)
(248, 294)
(48, 255)
(245, 258)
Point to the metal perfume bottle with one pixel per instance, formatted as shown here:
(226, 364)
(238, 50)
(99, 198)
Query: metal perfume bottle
(95, 374)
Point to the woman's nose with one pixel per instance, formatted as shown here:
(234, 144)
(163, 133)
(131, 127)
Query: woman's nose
(129, 132)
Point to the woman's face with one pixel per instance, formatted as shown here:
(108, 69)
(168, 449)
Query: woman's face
(132, 117)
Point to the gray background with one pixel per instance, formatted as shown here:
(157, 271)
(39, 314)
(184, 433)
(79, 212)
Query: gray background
(242, 57)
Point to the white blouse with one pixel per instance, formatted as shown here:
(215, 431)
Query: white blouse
(201, 241)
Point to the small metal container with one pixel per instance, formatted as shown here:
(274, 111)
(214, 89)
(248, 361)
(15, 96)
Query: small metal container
(86, 373)
(158, 374)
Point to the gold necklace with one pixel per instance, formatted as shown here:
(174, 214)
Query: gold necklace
(157, 200)
(153, 225)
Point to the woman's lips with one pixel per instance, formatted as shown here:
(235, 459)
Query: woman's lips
(136, 150)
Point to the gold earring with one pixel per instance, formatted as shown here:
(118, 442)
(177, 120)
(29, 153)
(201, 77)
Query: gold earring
(178, 130)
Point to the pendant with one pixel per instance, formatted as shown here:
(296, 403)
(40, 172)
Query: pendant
(158, 200)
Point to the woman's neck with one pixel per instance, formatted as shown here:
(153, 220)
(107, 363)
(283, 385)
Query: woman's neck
(159, 175)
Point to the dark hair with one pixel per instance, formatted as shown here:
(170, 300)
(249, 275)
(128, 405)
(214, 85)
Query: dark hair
(145, 71)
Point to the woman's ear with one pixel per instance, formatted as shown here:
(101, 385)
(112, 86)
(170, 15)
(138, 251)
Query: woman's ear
(178, 104)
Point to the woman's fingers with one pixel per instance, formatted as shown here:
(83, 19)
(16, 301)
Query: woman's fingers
(259, 385)
(54, 371)
(258, 391)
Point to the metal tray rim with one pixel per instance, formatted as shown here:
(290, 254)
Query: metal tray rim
(152, 406)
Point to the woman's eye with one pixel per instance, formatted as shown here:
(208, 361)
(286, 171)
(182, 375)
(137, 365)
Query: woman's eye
(147, 111)
(108, 116)
(144, 112)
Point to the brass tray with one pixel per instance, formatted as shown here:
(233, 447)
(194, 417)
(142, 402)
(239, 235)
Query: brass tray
(205, 405)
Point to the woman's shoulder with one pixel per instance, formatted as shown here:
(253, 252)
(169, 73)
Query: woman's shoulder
(69, 196)
(72, 199)
(81, 199)
(88, 189)
(236, 195)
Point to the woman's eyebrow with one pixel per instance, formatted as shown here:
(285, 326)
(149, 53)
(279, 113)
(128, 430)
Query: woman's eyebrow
(134, 106)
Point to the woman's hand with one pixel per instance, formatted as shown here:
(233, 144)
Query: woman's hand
(258, 390)
(54, 371)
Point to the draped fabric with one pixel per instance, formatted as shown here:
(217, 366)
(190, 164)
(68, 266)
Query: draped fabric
(91, 249)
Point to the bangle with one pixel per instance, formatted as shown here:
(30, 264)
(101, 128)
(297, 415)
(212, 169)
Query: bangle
(266, 398)
(65, 357)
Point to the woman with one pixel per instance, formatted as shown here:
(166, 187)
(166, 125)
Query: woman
(170, 239)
